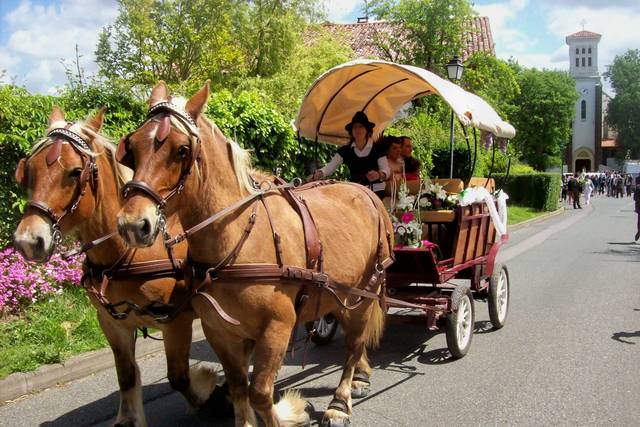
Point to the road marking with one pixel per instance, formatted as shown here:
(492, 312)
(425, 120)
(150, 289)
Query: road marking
(540, 237)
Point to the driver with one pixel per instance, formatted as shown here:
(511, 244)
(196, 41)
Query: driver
(366, 160)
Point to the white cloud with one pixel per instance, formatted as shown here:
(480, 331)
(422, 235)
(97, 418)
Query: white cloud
(42, 36)
(339, 10)
(509, 39)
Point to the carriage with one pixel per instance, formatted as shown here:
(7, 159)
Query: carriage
(461, 244)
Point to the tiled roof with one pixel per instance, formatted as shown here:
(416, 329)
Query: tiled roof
(584, 34)
(366, 39)
(609, 143)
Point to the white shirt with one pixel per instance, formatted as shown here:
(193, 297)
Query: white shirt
(383, 165)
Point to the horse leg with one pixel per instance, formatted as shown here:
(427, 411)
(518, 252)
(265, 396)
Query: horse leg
(234, 355)
(269, 353)
(196, 383)
(123, 344)
(364, 327)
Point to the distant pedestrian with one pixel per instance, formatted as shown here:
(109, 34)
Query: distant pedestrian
(628, 182)
(619, 187)
(574, 190)
(636, 199)
(588, 189)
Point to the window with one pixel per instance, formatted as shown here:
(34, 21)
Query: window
(583, 50)
(577, 51)
(583, 110)
(577, 62)
(589, 50)
(583, 62)
(589, 61)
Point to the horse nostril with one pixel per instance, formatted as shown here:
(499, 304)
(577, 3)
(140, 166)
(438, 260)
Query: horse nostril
(39, 244)
(145, 227)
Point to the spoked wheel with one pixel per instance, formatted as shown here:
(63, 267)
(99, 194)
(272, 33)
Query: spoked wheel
(460, 322)
(325, 330)
(498, 297)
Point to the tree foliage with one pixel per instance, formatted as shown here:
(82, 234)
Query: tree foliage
(545, 108)
(183, 42)
(432, 30)
(624, 109)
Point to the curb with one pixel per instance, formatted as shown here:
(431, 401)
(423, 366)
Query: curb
(80, 366)
(537, 219)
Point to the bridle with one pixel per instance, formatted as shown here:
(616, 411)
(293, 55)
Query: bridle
(124, 156)
(88, 175)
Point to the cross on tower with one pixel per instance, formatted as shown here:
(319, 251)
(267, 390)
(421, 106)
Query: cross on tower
(583, 22)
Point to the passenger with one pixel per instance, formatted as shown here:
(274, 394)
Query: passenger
(394, 158)
(411, 164)
(367, 162)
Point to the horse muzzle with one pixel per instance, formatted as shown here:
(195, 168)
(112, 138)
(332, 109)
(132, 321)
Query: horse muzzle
(138, 232)
(34, 242)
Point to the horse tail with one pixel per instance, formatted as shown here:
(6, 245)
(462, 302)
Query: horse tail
(375, 326)
(290, 410)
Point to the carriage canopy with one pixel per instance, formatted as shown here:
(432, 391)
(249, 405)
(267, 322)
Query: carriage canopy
(381, 89)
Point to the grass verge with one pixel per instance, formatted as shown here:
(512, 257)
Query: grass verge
(517, 214)
(50, 331)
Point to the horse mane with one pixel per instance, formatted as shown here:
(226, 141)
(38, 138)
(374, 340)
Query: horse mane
(102, 145)
(241, 158)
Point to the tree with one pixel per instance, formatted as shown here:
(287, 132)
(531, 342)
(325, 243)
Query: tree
(545, 108)
(624, 109)
(432, 31)
(494, 80)
(271, 30)
(183, 42)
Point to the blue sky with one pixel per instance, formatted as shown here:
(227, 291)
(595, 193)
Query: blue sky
(36, 35)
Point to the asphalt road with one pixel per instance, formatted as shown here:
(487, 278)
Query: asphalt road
(569, 354)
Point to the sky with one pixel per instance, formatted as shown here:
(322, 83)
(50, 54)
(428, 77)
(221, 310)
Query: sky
(38, 36)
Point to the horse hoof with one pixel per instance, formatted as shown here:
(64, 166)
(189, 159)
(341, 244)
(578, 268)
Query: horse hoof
(360, 391)
(336, 422)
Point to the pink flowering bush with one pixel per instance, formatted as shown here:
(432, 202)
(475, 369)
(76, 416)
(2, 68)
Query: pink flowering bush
(22, 283)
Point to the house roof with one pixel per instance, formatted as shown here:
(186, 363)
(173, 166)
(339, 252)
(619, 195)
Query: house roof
(609, 143)
(584, 34)
(362, 38)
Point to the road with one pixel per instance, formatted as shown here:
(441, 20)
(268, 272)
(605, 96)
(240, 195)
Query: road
(569, 354)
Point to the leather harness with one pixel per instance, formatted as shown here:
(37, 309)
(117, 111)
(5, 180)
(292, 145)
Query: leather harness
(311, 276)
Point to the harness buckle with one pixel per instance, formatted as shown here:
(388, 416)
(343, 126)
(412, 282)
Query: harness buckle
(320, 278)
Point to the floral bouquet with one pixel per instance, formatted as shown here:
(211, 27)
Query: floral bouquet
(434, 197)
(405, 216)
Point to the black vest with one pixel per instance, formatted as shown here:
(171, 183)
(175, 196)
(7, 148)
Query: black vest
(359, 166)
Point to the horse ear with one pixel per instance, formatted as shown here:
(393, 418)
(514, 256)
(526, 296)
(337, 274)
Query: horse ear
(159, 93)
(57, 115)
(123, 155)
(197, 103)
(20, 171)
(95, 123)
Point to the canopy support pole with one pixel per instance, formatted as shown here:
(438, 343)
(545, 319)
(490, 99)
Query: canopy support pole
(451, 140)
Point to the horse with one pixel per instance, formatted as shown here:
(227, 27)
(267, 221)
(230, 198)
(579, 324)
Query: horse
(74, 181)
(253, 256)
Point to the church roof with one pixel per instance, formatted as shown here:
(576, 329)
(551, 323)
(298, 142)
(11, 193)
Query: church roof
(584, 34)
(362, 36)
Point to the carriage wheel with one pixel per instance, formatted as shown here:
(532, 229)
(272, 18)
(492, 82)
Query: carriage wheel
(499, 296)
(460, 322)
(325, 330)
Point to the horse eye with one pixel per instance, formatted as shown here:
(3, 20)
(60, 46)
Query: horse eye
(75, 173)
(183, 150)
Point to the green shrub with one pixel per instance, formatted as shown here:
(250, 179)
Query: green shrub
(536, 190)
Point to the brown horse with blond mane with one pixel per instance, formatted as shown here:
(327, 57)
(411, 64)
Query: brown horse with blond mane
(252, 258)
(74, 181)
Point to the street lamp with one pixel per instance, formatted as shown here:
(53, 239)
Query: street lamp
(454, 70)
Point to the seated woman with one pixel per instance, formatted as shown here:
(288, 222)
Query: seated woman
(367, 162)
(411, 164)
(394, 159)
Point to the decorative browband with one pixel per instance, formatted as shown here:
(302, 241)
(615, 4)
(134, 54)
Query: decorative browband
(71, 137)
(167, 106)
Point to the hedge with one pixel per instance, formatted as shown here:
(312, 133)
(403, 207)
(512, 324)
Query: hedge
(537, 190)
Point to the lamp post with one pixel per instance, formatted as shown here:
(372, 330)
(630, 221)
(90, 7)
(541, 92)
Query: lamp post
(454, 71)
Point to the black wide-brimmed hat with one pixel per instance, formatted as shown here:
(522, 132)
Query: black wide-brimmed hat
(360, 117)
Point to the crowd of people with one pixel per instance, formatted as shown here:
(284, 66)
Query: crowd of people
(611, 184)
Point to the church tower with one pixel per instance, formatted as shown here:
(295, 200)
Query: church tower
(585, 150)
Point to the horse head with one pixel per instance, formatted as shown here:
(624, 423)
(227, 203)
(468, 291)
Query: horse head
(164, 151)
(57, 175)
